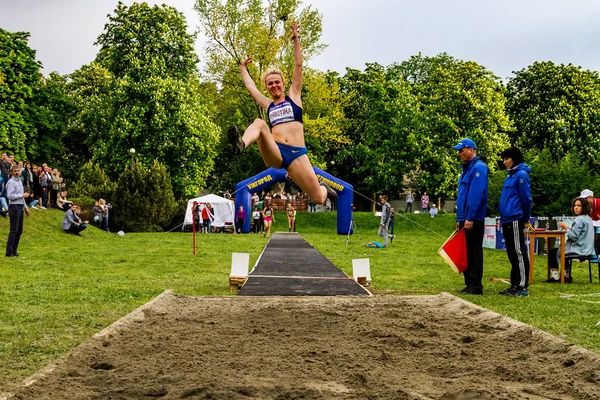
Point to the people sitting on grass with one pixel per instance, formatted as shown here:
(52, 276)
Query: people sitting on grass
(71, 221)
(433, 211)
(579, 239)
(62, 202)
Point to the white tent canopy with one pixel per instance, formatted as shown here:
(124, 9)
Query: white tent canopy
(222, 208)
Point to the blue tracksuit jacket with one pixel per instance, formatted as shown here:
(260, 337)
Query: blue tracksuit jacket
(472, 198)
(515, 200)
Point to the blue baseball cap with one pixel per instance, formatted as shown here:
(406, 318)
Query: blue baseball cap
(466, 142)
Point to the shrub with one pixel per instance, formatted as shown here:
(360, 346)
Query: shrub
(146, 202)
(92, 183)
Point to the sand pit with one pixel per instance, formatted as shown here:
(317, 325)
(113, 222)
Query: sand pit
(380, 347)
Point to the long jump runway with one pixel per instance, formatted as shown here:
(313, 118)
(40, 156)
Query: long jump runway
(290, 266)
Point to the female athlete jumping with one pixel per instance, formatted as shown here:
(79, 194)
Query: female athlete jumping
(281, 142)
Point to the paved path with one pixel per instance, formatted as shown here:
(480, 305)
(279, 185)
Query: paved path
(290, 266)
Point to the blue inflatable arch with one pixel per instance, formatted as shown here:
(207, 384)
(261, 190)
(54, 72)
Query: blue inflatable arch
(245, 189)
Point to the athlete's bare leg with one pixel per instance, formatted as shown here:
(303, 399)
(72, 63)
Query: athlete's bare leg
(301, 171)
(259, 132)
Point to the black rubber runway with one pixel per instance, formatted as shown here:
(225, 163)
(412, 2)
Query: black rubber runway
(290, 266)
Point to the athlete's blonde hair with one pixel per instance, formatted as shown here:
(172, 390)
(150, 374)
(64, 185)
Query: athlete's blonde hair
(272, 71)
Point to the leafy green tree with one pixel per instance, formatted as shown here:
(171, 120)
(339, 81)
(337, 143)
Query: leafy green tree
(145, 200)
(456, 99)
(380, 112)
(19, 78)
(237, 29)
(90, 90)
(556, 107)
(554, 184)
(155, 103)
(51, 111)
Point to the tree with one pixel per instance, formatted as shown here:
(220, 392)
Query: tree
(380, 112)
(554, 184)
(145, 201)
(556, 107)
(456, 99)
(155, 102)
(90, 90)
(237, 29)
(50, 113)
(19, 78)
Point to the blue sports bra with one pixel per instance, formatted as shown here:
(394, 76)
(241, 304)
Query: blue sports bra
(286, 111)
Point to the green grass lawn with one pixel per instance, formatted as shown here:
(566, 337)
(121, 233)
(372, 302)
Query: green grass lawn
(64, 288)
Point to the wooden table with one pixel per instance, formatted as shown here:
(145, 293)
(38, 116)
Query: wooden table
(558, 234)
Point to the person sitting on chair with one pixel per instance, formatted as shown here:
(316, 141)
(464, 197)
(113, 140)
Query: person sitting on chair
(579, 239)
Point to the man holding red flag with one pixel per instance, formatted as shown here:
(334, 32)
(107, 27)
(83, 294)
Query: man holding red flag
(471, 204)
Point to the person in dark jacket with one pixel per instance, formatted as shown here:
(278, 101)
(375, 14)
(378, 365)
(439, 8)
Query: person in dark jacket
(471, 205)
(515, 209)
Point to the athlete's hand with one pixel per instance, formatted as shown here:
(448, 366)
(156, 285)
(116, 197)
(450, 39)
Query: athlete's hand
(294, 31)
(246, 62)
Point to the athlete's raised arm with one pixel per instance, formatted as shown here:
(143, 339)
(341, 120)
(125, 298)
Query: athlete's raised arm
(296, 87)
(260, 98)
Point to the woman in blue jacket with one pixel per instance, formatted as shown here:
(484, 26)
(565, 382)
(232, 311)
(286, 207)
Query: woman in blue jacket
(515, 208)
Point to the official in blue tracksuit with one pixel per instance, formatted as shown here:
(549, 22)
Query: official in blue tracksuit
(471, 205)
(515, 209)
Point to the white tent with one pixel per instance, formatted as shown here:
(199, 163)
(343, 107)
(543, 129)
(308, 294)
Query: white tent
(222, 209)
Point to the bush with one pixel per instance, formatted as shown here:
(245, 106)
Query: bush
(146, 202)
(554, 185)
(93, 183)
(86, 204)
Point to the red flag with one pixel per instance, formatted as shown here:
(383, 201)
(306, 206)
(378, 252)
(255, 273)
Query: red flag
(454, 251)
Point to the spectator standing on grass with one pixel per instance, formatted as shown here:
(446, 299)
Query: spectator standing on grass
(385, 219)
(16, 209)
(56, 182)
(37, 186)
(515, 209)
(424, 203)
(4, 170)
(71, 221)
(27, 175)
(97, 213)
(471, 204)
(240, 217)
(410, 198)
(392, 222)
(255, 199)
(256, 219)
(105, 213)
(207, 218)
